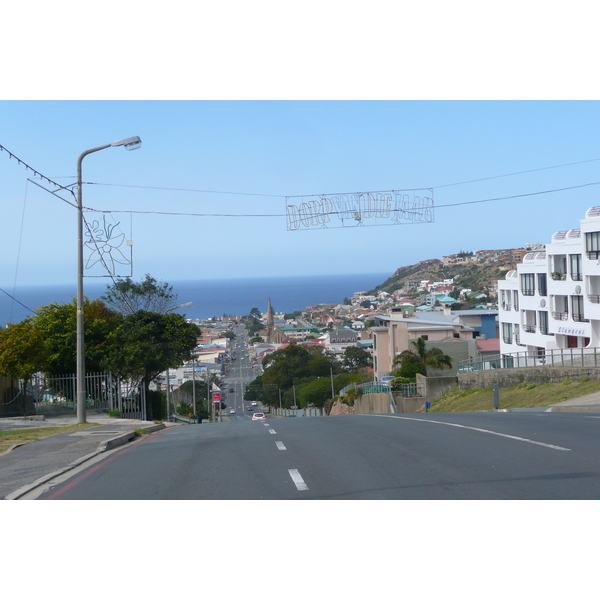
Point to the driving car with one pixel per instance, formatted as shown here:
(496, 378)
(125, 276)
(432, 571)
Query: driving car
(249, 408)
(231, 390)
(258, 417)
(254, 403)
(232, 411)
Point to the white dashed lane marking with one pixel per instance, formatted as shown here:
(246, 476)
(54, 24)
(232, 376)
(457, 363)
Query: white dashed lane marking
(297, 479)
(272, 431)
(280, 445)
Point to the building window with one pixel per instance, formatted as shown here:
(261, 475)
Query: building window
(577, 309)
(542, 288)
(516, 299)
(528, 284)
(507, 333)
(543, 319)
(575, 260)
(592, 245)
(518, 336)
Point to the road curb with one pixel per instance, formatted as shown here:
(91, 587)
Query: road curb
(104, 446)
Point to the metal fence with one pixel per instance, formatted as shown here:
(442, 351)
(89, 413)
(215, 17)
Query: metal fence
(406, 390)
(566, 357)
(57, 395)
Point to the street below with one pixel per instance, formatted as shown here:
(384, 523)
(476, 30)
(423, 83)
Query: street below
(529, 455)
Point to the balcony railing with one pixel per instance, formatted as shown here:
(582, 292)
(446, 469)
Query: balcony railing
(593, 254)
(507, 339)
(506, 306)
(577, 276)
(556, 276)
(580, 318)
(528, 291)
(529, 328)
(594, 299)
(560, 316)
(567, 357)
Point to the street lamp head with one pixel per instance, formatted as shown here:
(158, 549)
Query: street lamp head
(131, 143)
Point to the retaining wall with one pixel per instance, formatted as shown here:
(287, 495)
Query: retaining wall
(369, 404)
(507, 378)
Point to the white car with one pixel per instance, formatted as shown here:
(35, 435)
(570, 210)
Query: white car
(232, 411)
(254, 403)
(258, 417)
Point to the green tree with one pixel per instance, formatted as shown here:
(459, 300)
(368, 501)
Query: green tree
(57, 326)
(294, 364)
(355, 358)
(147, 343)
(21, 353)
(315, 393)
(128, 297)
(420, 359)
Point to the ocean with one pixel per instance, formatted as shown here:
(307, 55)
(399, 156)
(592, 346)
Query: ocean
(211, 297)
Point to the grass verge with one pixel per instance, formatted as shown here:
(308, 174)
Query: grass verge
(525, 395)
(10, 437)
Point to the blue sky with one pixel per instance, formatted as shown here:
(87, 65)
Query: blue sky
(244, 157)
(243, 106)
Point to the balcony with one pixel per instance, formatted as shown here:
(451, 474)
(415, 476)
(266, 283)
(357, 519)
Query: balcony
(577, 276)
(594, 299)
(506, 306)
(580, 318)
(560, 316)
(557, 276)
(529, 328)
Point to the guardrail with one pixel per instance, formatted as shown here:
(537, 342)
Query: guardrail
(566, 357)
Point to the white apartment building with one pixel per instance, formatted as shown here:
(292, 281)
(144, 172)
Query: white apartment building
(552, 300)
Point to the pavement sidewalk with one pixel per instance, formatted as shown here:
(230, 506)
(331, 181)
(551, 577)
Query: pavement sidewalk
(26, 467)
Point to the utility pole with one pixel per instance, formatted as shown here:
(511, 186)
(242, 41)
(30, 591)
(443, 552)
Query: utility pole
(194, 383)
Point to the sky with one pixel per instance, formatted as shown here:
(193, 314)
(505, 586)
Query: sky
(241, 159)
(232, 125)
(243, 104)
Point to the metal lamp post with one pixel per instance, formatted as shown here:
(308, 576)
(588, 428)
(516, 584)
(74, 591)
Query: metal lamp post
(131, 143)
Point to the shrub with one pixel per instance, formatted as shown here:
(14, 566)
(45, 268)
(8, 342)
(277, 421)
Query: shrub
(114, 413)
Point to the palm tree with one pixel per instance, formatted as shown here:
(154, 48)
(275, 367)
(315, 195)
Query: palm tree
(420, 359)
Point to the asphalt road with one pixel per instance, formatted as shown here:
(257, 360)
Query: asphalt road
(430, 456)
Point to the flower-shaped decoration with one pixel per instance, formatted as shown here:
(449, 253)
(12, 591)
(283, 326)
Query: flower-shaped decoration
(105, 246)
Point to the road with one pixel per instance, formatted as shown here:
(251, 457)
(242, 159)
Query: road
(240, 374)
(526, 455)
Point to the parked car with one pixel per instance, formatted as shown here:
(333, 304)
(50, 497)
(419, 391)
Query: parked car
(258, 417)
(231, 390)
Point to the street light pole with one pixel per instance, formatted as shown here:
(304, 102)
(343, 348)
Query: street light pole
(130, 144)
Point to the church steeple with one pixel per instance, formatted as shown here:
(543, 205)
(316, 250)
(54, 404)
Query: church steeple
(274, 335)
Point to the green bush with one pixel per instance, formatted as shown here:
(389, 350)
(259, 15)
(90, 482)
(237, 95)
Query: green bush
(114, 413)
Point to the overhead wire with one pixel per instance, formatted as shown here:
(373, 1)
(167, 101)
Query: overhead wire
(279, 215)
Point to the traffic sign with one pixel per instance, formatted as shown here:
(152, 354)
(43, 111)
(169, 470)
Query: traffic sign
(216, 396)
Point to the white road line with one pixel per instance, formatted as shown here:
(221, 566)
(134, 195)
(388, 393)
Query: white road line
(297, 479)
(272, 431)
(280, 445)
(512, 437)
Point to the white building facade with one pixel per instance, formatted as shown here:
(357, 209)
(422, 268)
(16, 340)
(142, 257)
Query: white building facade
(552, 300)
